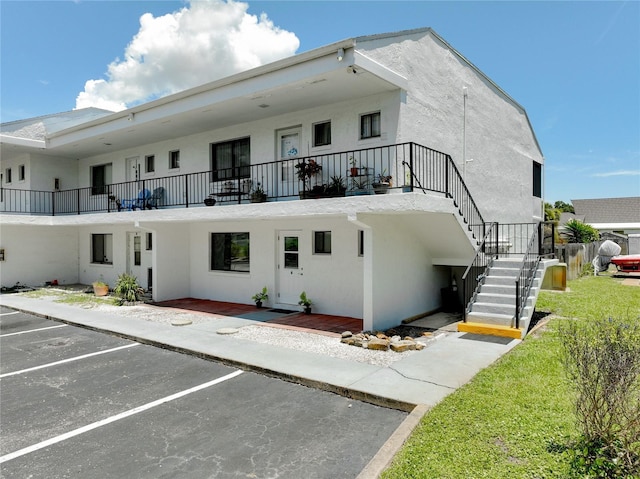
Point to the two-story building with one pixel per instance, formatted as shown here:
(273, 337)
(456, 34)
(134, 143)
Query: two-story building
(364, 172)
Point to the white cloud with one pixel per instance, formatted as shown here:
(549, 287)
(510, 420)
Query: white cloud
(202, 42)
(617, 173)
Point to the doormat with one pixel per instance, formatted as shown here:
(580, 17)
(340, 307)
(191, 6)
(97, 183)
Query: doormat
(283, 311)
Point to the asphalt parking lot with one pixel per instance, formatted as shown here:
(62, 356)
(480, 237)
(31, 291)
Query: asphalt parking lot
(80, 403)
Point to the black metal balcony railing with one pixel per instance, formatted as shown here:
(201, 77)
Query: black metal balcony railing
(410, 166)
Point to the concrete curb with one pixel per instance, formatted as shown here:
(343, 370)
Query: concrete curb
(389, 449)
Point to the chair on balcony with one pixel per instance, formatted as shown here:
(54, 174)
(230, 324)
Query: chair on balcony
(137, 203)
(157, 198)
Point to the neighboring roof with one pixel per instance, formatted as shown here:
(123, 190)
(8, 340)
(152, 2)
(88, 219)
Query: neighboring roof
(608, 210)
(39, 127)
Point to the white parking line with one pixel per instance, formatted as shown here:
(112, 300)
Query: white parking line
(7, 314)
(117, 417)
(76, 358)
(32, 330)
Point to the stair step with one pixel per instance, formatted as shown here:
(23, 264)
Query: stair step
(492, 308)
(490, 318)
(491, 330)
(496, 298)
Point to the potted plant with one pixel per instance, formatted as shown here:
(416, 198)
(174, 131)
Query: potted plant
(336, 187)
(354, 169)
(260, 296)
(306, 170)
(100, 288)
(210, 200)
(258, 195)
(305, 302)
(383, 183)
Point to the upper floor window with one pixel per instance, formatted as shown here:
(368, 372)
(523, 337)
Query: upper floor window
(370, 125)
(322, 133)
(7, 175)
(100, 179)
(174, 159)
(149, 241)
(231, 159)
(21, 173)
(537, 180)
(230, 252)
(150, 163)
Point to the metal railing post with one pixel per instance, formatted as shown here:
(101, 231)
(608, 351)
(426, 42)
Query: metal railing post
(186, 190)
(53, 203)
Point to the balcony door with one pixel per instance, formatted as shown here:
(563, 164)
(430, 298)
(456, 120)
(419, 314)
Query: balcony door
(289, 148)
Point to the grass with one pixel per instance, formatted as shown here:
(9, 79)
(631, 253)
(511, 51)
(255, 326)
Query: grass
(77, 298)
(513, 419)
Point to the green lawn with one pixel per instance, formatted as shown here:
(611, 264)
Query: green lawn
(513, 418)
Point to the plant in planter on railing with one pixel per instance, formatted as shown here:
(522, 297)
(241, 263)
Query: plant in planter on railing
(306, 170)
(260, 297)
(336, 187)
(128, 289)
(383, 182)
(305, 302)
(258, 195)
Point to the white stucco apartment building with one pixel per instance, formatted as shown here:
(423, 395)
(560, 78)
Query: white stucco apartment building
(460, 151)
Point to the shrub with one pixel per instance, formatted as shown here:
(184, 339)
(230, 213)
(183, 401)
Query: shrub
(602, 362)
(579, 232)
(128, 289)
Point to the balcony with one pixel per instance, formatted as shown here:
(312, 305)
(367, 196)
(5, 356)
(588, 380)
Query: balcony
(406, 167)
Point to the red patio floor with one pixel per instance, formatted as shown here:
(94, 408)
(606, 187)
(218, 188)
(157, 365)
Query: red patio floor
(316, 322)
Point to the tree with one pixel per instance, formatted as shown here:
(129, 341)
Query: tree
(564, 207)
(578, 232)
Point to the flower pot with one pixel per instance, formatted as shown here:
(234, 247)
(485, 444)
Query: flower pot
(258, 304)
(354, 171)
(209, 201)
(380, 188)
(100, 290)
(307, 310)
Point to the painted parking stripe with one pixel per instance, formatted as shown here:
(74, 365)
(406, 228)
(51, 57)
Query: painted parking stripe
(32, 330)
(7, 314)
(117, 417)
(69, 360)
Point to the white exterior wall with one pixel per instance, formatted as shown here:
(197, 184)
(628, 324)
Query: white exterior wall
(403, 281)
(195, 149)
(333, 282)
(36, 254)
(45, 168)
(498, 136)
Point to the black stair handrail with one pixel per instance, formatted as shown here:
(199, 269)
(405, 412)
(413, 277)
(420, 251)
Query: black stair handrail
(527, 274)
(475, 273)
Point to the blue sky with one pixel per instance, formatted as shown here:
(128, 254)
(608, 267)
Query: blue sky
(574, 66)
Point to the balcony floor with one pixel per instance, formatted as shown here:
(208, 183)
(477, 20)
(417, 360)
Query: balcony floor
(294, 320)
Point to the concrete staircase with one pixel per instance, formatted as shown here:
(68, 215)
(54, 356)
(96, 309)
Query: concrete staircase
(494, 308)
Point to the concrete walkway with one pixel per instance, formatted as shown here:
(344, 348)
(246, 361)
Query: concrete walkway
(422, 378)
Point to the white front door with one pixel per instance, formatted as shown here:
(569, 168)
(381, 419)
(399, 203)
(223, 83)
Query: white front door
(132, 172)
(290, 270)
(134, 258)
(289, 149)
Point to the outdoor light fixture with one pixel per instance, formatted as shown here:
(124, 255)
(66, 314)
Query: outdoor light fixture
(130, 117)
(340, 54)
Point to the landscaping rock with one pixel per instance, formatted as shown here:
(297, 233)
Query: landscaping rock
(378, 344)
(403, 345)
(227, 331)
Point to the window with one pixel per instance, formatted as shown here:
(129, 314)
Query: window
(21, 174)
(370, 125)
(174, 159)
(322, 242)
(230, 252)
(149, 241)
(360, 242)
(100, 179)
(7, 175)
(137, 251)
(322, 133)
(150, 163)
(230, 159)
(101, 248)
(537, 180)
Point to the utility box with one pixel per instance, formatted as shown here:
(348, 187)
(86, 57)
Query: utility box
(555, 278)
(634, 244)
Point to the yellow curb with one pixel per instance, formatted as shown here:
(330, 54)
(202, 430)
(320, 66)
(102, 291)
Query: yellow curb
(490, 329)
